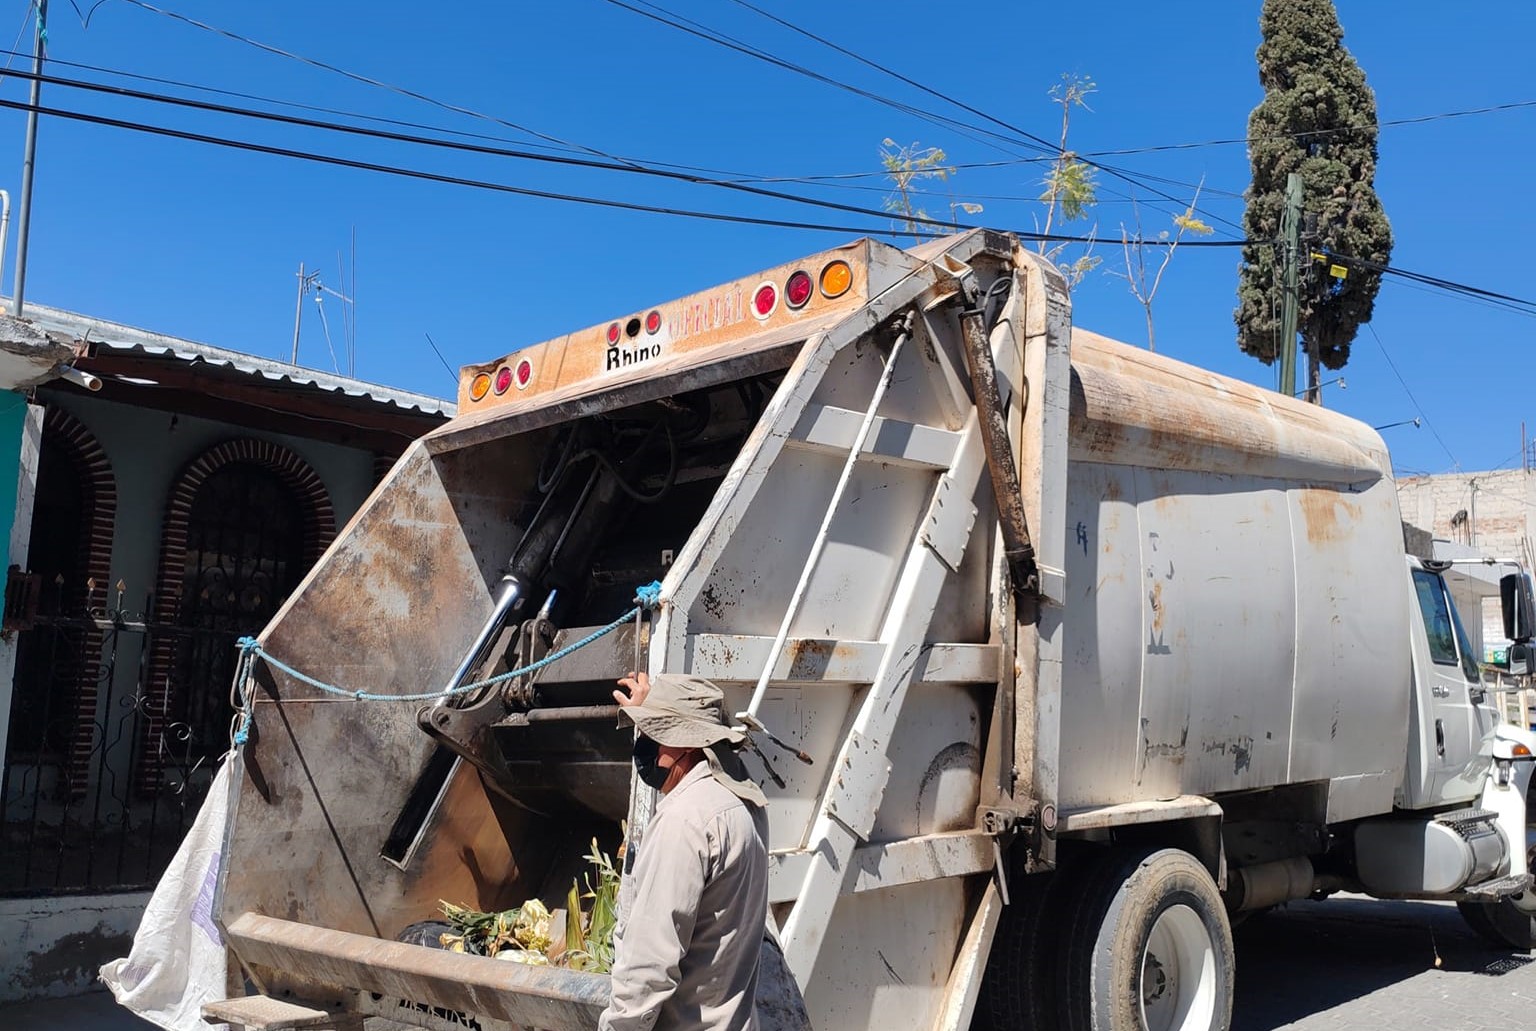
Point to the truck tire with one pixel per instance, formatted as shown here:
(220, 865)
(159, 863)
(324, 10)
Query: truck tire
(1502, 924)
(1509, 923)
(1019, 991)
(1149, 947)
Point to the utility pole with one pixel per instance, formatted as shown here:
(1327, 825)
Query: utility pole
(306, 280)
(24, 213)
(1290, 252)
(298, 314)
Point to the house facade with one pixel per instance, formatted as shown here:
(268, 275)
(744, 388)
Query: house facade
(167, 497)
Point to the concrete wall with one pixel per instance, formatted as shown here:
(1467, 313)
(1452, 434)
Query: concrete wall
(52, 947)
(1492, 511)
(148, 449)
(1494, 515)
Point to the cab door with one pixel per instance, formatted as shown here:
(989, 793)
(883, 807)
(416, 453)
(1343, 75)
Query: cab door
(1449, 714)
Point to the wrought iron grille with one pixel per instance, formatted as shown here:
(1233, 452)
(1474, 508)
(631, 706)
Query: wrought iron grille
(70, 819)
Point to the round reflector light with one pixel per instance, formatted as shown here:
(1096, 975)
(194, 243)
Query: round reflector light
(797, 289)
(613, 333)
(479, 387)
(764, 299)
(653, 322)
(503, 379)
(836, 278)
(524, 374)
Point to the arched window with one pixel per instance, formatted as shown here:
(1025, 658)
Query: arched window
(244, 523)
(58, 662)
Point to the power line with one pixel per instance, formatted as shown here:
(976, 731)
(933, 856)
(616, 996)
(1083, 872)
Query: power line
(704, 32)
(410, 173)
(1055, 149)
(557, 143)
(1517, 304)
(688, 26)
(1311, 133)
(1159, 148)
(364, 79)
(1415, 401)
(1408, 284)
(732, 175)
(13, 53)
(716, 37)
(724, 175)
(473, 148)
(459, 146)
(607, 202)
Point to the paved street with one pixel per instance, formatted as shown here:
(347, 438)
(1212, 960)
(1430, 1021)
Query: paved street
(1359, 963)
(1347, 963)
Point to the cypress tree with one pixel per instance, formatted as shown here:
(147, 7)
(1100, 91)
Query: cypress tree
(1318, 118)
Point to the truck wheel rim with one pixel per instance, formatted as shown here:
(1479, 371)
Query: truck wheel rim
(1178, 973)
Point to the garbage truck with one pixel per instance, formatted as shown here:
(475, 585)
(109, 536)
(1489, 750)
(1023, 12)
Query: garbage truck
(1063, 656)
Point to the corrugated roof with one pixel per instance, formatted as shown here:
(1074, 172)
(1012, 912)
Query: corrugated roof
(115, 337)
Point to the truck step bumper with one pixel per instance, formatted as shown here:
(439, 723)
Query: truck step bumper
(262, 1013)
(1488, 891)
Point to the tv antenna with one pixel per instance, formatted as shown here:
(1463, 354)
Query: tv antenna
(310, 284)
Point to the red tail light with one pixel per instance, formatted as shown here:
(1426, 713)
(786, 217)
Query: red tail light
(764, 299)
(503, 379)
(798, 289)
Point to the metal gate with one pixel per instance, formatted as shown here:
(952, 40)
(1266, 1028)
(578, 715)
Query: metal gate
(74, 813)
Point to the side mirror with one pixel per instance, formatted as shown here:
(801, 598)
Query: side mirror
(1520, 660)
(1519, 609)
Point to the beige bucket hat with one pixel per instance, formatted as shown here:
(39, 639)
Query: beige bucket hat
(689, 712)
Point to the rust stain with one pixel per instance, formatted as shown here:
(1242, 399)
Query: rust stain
(711, 602)
(1328, 516)
(1157, 607)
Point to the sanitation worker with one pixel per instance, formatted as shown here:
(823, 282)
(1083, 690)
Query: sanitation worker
(694, 904)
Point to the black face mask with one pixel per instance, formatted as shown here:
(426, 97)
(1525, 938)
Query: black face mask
(646, 754)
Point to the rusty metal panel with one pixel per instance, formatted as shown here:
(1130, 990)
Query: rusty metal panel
(1202, 512)
(1133, 407)
(537, 997)
(1353, 668)
(898, 946)
(692, 330)
(389, 610)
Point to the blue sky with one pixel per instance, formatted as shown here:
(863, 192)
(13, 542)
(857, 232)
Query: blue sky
(197, 241)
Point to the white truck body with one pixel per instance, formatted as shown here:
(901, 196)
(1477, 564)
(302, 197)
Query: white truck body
(1222, 654)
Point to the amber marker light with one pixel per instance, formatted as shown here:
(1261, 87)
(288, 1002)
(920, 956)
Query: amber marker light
(836, 278)
(479, 387)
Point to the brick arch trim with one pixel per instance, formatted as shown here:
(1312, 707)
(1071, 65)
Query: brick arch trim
(94, 471)
(314, 500)
(319, 530)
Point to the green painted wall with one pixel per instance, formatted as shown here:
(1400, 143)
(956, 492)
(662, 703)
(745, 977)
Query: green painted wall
(13, 416)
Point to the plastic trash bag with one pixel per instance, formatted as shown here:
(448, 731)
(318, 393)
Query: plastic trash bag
(178, 960)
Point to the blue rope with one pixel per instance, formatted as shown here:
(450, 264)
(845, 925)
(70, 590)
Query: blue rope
(647, 597)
